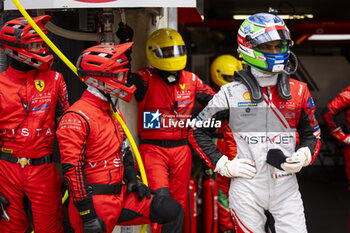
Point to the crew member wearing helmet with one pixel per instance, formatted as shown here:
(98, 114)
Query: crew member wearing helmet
(222, 71)
(339, 104)
(265, 110)
(166, 94)
(97, 164)
(32, 97)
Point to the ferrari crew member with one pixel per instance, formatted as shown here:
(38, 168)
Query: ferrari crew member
(98, 168)
(166, 94)
(340, 104)
(32, 97)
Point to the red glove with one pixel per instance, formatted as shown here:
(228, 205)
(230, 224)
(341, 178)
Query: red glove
(341, 136)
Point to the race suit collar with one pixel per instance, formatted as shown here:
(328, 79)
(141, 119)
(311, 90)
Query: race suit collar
(95, 99)
(21, 74)
(96, 93)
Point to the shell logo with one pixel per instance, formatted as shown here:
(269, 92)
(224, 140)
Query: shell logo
(95, 1)
(246, 95)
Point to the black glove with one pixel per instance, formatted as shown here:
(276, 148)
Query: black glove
(92, 223)
(124, 33)
(275, 157)
(141, 189)
(95, 225)
(3, 202)
(134, 184)
(128, 159)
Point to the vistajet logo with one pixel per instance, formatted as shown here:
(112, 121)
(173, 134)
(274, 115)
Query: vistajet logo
(277, 139)
(154, 120)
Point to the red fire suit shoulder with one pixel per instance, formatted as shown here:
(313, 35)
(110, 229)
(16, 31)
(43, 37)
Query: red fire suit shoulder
(90, 145)
(174, 103)
(29, 104)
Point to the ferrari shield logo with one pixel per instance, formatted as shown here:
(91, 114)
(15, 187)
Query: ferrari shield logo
(40, 85)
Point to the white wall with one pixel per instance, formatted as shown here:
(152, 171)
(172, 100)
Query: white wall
(140, 20)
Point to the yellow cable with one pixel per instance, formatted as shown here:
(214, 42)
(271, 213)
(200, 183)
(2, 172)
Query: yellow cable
(74, 69)
(137, 156)
(133, 144)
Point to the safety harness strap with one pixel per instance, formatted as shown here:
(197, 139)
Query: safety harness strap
(111, 189)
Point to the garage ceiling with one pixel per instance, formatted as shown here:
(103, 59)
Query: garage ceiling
(224, 9)
(330, 17)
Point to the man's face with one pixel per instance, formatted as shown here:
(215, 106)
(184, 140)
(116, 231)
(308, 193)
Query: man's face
(38, 47)
(271, 47)
(228, 78)
(168, 52)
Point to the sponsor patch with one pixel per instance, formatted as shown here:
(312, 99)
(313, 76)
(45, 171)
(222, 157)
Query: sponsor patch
(246, 95)
(182, 86)
(184, 103)
(279, 175)
(247, 104)
(290, 115)
(310, 102)
(315, 127)
(248, 28)
(10, 151)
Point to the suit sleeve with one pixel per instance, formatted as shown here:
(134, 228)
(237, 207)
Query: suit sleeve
(229, 144)
(72, 134)
(141, 84)
(200, 138)
(308, 128)
(62, 98)
(336, 106)
(204, 93)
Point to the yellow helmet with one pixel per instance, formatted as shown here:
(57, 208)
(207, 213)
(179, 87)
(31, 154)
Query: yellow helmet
(165, 50)
(223, 66)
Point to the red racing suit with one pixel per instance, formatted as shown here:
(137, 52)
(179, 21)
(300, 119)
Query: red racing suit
(339, 104)
(90, 143)
(258, 127)
(164, 113)
(29, 104)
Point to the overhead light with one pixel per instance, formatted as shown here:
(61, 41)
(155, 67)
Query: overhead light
(310, 16)
(330, 37)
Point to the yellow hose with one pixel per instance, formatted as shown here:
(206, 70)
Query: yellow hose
(133, 144)
(74, 69)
